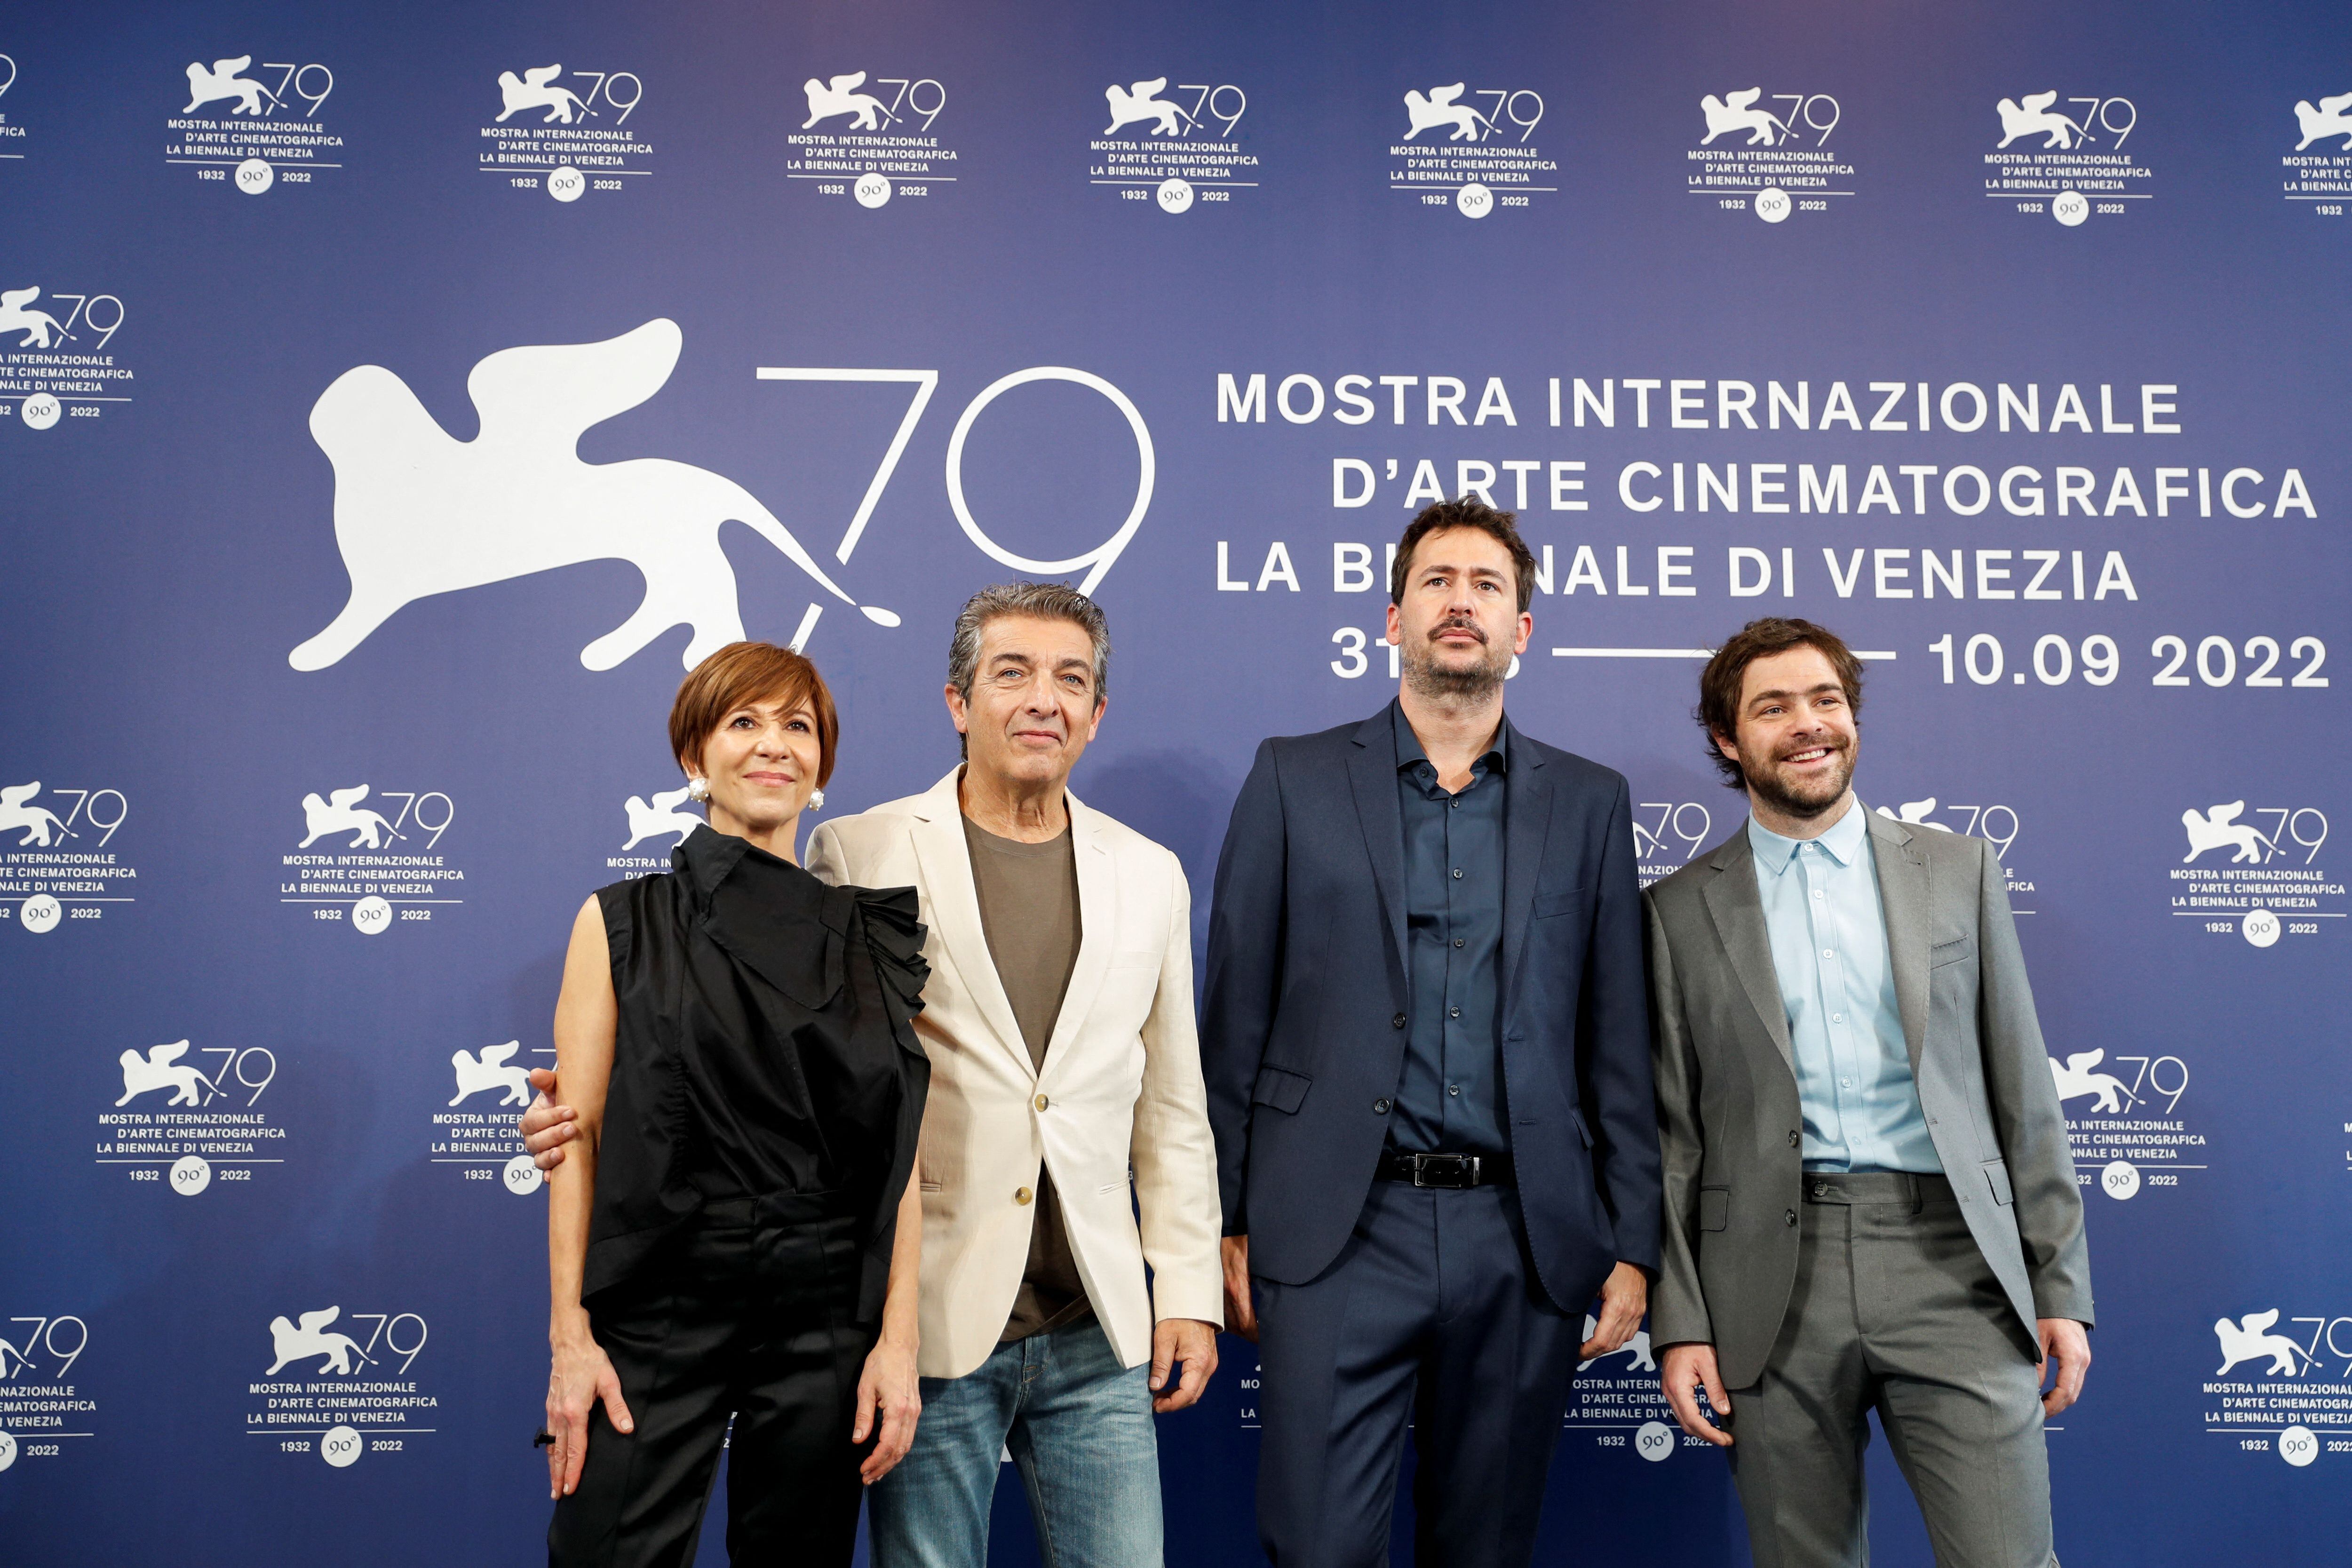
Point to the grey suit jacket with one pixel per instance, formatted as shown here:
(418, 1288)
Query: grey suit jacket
(1728, 1105)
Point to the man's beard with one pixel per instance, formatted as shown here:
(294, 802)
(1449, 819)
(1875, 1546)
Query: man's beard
(1452, 683)
(1807, 800)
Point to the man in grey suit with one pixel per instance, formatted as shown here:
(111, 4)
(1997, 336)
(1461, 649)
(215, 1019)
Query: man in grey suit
(1869, 1202)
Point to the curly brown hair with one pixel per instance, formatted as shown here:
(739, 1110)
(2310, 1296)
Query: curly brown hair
(1501, 526)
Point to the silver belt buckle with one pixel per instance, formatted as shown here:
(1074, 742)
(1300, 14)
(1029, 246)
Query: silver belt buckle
(1463, 1168)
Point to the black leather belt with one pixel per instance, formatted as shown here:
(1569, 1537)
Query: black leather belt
(1446, 1170)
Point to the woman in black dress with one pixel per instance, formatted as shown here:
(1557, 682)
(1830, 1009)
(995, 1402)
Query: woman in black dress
(738, 1040)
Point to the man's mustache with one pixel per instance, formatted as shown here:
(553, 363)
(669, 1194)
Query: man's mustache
(1473, 628)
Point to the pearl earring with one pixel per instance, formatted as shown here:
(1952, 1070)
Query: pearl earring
(817, 800)
(698, 790)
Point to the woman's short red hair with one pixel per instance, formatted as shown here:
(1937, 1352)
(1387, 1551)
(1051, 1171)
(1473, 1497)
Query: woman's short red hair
(743, 675)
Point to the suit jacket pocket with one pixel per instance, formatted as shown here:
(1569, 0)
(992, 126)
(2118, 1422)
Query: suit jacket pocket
(1715, 1208)
(1551, 904)
(1951, 952)
(1281, 1089)
(1997, 1174)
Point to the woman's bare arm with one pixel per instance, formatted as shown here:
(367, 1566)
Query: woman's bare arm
(586, 1014)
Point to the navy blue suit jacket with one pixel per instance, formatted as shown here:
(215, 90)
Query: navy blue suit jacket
(1301, 1022)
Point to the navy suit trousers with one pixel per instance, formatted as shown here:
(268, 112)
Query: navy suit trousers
(1432, 1312)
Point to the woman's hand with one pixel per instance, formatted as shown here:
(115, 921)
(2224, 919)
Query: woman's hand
(582, 1376)
(887, 1396)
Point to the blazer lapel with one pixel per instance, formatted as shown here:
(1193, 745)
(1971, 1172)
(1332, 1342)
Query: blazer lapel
(1526, 822)
(1905, 891)
(1738, 913)
(1098, 929)
(1372, 775)
(951, 903)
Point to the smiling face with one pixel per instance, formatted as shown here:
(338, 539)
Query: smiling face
(762, 762)
(1033, 705)
(1459, 624)
(1797, 736)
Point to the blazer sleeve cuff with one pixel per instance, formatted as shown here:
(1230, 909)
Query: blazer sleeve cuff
(1675, 1319)
(2075, 1304)
(1188, 1298)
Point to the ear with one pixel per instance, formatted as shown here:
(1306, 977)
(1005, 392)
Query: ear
(1526, 632)
(1725, 744)
(957, 710)
(1395, 633)
(1093, 725)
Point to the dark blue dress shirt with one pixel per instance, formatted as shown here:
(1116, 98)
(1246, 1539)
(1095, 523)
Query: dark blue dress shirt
(1450, 1096)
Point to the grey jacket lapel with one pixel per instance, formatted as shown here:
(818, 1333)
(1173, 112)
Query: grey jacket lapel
(1907, 893)
(1737, 910)
(1372, 775)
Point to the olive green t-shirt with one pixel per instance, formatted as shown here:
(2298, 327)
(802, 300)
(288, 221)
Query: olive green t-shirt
(1029, 913)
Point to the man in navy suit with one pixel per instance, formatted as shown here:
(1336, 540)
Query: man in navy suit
(1427, 1039)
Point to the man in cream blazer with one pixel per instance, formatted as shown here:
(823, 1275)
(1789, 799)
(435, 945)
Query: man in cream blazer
(1065, 1141)
(1058, 1018)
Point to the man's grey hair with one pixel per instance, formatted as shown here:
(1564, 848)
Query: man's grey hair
(1046, 601)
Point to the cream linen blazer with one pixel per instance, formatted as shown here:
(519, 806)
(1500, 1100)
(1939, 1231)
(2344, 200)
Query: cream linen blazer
(1120, 1098)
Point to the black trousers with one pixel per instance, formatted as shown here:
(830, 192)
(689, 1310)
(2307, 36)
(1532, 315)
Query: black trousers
(1432, 1311)
(753, 1319)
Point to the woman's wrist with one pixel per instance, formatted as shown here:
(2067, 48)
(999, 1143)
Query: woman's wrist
(569, 1329)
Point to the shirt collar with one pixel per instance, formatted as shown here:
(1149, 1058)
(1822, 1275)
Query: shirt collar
(1842, 843)
(1408, 750)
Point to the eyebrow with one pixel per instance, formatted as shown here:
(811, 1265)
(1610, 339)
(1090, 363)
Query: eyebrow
(1808, 692)
(1494, 572)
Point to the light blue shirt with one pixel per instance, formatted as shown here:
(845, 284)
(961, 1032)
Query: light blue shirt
(1861, 1107)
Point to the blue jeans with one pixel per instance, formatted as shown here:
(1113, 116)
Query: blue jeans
(1079, 1425)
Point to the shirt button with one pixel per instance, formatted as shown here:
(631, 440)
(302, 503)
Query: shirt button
(1454, 1012)
(1021, 1195)
(1795, 1141)
(1452, 805)
(1846, 1083)
(1829, 952)
(1041, 1102)
(1837, 1017)
(1379, 1108)
(1453, 1088)
(1397, 1021)
(1457, 942)
(1457, 873)
(1789, 1218)
(1817, 893)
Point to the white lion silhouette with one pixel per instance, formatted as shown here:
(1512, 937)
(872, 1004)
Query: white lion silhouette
(2249, 1337)
(222, 81)
(662, 817)
(2074, 1078)
(2327, 119)
(41, 824)
(40, 328)
(1915, 814)
(2214, 829)
(490, 1071)
(1143, 102)
(1439, 108)
(1636, 1350)
(144, 1075)
(1735, 112)
(838, 96)
(418, 513)
(341, 812)
(311, 1338)
(535, 90)
(2033, 118)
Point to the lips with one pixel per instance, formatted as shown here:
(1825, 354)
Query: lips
(1463, 628)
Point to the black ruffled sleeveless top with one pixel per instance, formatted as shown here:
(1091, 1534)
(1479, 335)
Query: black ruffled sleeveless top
(765, 1050)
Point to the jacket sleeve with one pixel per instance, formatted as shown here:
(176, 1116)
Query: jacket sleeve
(1613, 1047)
(2032, 1130)
(1677, 1306)
(1174, 1154)
(1244, 974)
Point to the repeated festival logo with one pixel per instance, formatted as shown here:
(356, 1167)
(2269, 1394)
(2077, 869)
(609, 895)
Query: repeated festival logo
(190, 1117)
(57, 360)
(1472, 149)
(1769, 154)
(61, 868)
(888, 142)
(2066, 158)
(1173, 147)
(343, 1385)
(354, 865)
(2272, 1391)
(568, 138)
(2254, 872)
(256, 124)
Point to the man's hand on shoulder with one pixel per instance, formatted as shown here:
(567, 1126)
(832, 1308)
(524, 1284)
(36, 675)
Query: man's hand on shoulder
(1684, 1369)
(546, 1127)
(2064, 1341)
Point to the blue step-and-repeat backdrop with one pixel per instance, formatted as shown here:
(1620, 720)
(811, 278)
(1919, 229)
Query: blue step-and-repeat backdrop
(393, 398)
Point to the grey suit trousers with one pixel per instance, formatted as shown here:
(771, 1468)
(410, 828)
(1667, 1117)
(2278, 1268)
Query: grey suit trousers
(1894, 1310)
